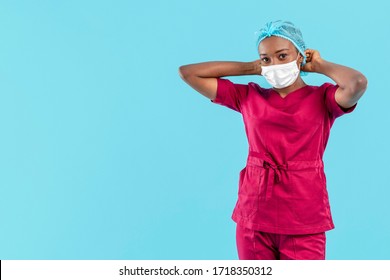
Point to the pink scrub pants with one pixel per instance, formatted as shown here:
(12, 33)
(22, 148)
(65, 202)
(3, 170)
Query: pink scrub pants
(257, 245)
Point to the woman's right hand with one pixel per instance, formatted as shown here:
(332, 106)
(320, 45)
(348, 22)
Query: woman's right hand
(257, 67)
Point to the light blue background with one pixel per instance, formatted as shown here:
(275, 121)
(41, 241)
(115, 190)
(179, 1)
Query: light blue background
(105, 153)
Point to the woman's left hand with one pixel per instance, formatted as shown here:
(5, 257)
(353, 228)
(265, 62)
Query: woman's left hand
(313, 58)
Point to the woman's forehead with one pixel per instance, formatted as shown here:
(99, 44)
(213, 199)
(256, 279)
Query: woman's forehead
(273, 44)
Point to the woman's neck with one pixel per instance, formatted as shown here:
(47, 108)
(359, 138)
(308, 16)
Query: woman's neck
(299, 83)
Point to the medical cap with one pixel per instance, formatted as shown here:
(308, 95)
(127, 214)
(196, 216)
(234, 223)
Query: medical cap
(284, 29)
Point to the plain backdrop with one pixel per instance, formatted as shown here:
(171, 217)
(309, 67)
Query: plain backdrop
(105, 153)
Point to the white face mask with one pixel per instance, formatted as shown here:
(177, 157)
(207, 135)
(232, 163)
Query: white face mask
(281, 75)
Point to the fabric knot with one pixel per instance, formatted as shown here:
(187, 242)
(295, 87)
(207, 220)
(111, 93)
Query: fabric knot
(270, 29)
(274, 173)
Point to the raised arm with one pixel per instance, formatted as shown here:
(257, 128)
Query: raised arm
(203, 76)
(352, 84)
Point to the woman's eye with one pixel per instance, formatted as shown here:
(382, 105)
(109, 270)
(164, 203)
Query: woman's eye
(265, 59)
(282, 56)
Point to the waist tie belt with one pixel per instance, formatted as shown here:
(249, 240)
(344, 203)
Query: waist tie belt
(273, 168)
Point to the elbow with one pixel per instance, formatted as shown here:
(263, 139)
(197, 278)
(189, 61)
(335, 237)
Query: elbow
(361, 83)
(183, 72)
(357, 88)
(354, 91)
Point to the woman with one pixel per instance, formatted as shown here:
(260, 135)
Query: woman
(283, 209)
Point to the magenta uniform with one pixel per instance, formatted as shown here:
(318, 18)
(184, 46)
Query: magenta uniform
(282, 189)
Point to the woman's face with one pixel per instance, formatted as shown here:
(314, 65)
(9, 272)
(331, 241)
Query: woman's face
(276, 50)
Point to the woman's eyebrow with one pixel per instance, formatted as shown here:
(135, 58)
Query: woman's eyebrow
(282, 50)
(278, 51)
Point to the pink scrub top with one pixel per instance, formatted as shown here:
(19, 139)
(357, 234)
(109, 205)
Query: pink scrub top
(282, 188)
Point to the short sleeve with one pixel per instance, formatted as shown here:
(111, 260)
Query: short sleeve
(230, 95)
(334, 109)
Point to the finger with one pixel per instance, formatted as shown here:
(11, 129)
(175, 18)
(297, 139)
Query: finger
(308, 52)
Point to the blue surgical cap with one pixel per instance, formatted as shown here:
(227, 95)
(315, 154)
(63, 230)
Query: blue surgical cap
(286, 30)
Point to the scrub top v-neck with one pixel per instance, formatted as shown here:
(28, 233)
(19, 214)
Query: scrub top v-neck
(282, 188)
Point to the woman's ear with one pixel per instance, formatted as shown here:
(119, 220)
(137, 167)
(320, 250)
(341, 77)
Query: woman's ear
(301, 59)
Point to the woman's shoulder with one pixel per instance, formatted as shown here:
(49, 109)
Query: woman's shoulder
(256, 87)
(324, 86)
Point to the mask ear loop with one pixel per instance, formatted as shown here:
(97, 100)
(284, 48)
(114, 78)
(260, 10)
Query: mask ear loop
(297, 60)
(301, 64)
